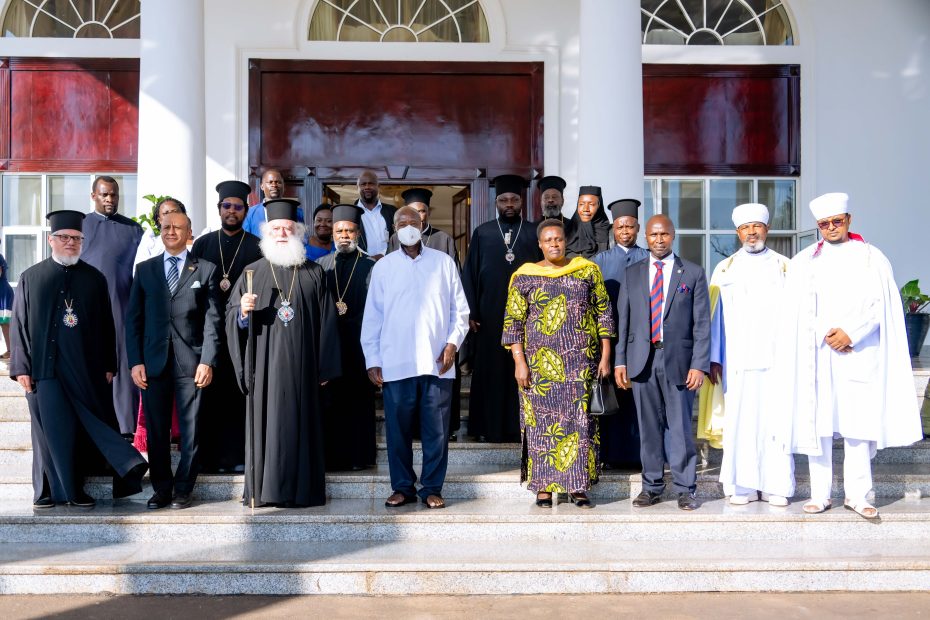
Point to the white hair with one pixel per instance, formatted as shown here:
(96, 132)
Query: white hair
(300, 230)
(64, 259)
(288, 254)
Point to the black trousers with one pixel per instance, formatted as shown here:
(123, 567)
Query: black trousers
(664, 412)
(172, 386)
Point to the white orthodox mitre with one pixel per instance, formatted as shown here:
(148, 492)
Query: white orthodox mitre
(825, 205)
(750, 212)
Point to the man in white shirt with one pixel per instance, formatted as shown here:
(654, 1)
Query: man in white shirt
(377, 219)
(416, 317)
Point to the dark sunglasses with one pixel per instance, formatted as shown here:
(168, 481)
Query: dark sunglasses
(837, 222)
(232, 205)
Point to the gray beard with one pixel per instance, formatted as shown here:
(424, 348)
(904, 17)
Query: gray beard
(754, 248)
(552, 212)
(67, 261)
(347, 249)
(289, 255)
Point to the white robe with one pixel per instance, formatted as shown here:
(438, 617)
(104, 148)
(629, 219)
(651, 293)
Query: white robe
(751, 288)
(867, 394)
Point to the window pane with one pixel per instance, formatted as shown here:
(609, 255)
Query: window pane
(683, 202)
(69, 192)
(690, 247)
(781, 244)
(22, 200)
(722, 246)
(806, 238)
(778, 196)
(20, 253)
(649, 200)
(724, 196)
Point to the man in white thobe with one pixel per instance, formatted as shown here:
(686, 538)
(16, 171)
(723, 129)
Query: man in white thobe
(416, 317)
(844, 354)
(746, 291)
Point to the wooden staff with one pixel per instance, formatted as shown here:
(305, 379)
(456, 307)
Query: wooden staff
(250, 406)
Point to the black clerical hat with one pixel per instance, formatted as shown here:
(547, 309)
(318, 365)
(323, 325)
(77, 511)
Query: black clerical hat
(417, 194)
(234, 189)
(66, 219)
(625, 206)
(347, 213)
(590, 190)
(509, 184)
(281, 209)
(552, 182)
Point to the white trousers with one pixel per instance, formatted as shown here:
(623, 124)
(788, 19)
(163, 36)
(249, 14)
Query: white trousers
(857, 470)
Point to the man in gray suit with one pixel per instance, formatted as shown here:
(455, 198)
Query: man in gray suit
(173, 328)
(663, 352)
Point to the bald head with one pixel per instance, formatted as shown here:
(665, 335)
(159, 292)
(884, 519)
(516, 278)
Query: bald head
(660, 233)
(368, 189)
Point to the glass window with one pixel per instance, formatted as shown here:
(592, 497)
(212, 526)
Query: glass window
(783, 244)
(690, 247)
(683, 202)
(68, 192)
(725, 194)
(721, 246)
(715, 22)
(399, 21)
(75, 19)
(20, 253)
(778, 196)
(22, 200)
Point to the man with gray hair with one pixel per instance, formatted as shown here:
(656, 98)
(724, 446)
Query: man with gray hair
(416, 317)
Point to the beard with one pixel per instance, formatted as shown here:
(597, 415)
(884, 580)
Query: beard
(552, 212)
(67, 261)
(348, 248)
(290, 254)
(231, 227)
(754, 247)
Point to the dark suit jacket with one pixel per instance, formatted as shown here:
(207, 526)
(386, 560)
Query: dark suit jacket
(685, 327)
(190, 320)
(387, 212)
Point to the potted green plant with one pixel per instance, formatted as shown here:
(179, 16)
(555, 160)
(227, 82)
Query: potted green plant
(147, 220)
(916, 321)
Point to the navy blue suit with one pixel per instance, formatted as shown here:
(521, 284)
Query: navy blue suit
(658, 374)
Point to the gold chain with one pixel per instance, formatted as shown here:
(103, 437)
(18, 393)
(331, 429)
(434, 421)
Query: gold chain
(285, 300)
(352, 273)
(233, 262)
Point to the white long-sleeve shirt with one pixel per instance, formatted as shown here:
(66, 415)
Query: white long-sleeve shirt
(415, 307)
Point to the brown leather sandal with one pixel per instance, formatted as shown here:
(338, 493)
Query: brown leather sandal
(399, 499)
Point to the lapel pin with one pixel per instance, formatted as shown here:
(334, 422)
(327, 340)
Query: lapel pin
(680, 270)
(190, 268)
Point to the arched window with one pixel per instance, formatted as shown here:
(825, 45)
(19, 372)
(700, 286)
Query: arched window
(716, 22)
(399, 21)
(78, 19)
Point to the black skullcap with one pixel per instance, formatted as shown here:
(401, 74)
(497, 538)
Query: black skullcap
(551, 182)
(625, 207)
(347, 213)
(591, 190)
(66, 219)
(509, 184)
(417, 194)
(234, 189)
(281, 209)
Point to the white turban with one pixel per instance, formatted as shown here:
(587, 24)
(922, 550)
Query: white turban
(750, 212)
(829, 204)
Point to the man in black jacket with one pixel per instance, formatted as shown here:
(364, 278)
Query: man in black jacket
(377, 219)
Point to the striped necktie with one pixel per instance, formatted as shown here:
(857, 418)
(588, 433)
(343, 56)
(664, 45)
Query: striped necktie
(173, 276)
(655, 303)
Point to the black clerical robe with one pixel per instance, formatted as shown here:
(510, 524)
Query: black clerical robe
(291, 360)
(71, 407)
(493, 406)
(221, 428)
(110, 245)
(350, 399)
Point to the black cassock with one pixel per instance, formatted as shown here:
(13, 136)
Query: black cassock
(110, 245)
(493, 407)
(290, 362)
(221, 429)
(73, 423)
(350, 399)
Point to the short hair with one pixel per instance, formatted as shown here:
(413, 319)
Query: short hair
(156, 210)
(190, 224)
(405, 209)
(549, 223)
(105, 179)
(261, 179)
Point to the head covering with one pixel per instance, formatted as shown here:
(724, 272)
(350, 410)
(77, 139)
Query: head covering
(347, 213)
(509, 184)
(281, 209)
(591, 190)
(588, 238)
(551, 182)
(417, 194)
(324, 206)
(829, 204)
(66, 219)
(750, 212)
(234, 189)
(628, 207)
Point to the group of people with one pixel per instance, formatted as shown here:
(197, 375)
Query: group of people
(265, 361)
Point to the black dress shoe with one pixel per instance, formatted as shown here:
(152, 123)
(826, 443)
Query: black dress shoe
(687, 501)
(44, 502)
(647, 498)
(159, 500)
(544, 502)
(83, 500)
(581, 500)
(181, 500)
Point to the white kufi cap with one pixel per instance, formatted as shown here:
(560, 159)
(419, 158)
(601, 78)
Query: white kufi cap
(826, 205)
(750, 212)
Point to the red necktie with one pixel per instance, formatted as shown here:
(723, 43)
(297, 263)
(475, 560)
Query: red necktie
(655, 303)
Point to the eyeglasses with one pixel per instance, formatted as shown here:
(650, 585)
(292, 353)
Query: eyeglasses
(232, 205)
(66, 238)
(837, 222)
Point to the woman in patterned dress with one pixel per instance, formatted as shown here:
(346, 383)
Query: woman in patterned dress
(558, 326)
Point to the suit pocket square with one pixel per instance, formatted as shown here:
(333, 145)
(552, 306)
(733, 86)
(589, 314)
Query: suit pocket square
(196, 284)
(684, 288)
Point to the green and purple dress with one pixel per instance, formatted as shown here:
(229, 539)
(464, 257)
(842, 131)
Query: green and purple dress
(560, 316)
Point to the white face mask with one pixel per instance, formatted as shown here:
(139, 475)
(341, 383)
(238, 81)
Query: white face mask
(409, 235)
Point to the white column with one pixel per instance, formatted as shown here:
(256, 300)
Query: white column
(172, 144)
(610, 123)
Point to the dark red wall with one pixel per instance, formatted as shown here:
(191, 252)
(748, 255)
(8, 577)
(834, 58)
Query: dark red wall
(69, 115)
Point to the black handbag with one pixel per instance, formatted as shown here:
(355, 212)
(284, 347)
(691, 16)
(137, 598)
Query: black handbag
(603, 399)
